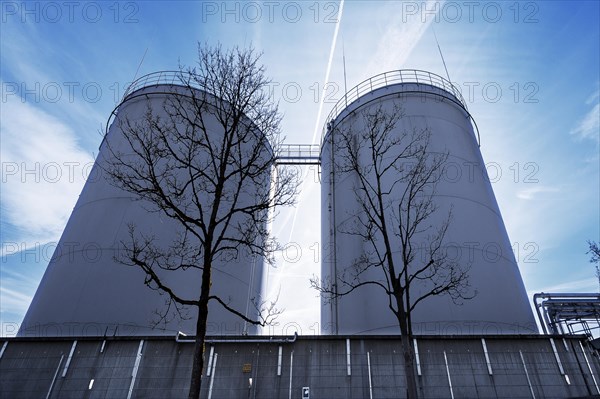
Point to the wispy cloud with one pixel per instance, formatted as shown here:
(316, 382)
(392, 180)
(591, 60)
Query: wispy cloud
(588, 127)
(399, 39)
(43, 171)
(13, 300)
(532, 192)
(581, 285)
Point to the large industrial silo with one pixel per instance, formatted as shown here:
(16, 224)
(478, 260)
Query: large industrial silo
(476, 236)
(85, 291)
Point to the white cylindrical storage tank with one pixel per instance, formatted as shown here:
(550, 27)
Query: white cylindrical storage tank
(85, 291)
(476, 235)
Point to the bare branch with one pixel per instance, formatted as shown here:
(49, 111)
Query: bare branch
(396, 176)
(203, 157)
(266, 318)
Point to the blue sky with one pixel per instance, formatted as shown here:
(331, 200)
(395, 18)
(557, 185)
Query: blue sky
(528, 70)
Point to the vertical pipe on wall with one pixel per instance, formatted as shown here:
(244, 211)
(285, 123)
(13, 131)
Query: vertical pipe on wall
(54, 378)
(348, 360)
(487, 356)
(448, 375)
(291, 373)
(64, 373)
(3, 349)
(527, 375)
(417, 358)
(136, 367)
(279, 357)
(589, 367)
(210, 360)
(212, 376)
(370, 381)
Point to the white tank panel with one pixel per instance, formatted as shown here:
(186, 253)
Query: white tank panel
(84, 291)
(476, 235)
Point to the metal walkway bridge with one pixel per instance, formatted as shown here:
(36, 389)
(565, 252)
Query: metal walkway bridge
(299, 154)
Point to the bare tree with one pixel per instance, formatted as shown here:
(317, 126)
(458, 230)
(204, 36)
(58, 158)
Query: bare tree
(205, 160)
(395, 176)
(594, 251)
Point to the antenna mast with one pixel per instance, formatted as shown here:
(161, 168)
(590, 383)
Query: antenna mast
(140, 64)
(441, 55)
(344, 62)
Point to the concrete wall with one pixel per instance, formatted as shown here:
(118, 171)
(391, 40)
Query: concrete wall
(521, 367)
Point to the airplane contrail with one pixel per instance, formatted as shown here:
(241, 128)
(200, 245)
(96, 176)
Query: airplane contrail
(321, 100)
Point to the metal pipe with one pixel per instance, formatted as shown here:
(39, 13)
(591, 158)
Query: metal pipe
(64, 373)
(417, 358)
(537, 310)
(3, 349)
(212, 377)
(237, 340)
(527, 375)
(136, 367)
(334, 302)
(54, 378)
(279, 359)
(557, 357)
(348, 364)
(448, 374)
(487, 356)
(566, 295)
(291, 373)
(255, 372)
(210, 360)
(543, 317)
(370, 381)
(589, 367)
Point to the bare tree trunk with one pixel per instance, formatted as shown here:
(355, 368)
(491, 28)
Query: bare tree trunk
(411, 378)
(409, 358)
(203, 161)
(198, 365)
(395, 169)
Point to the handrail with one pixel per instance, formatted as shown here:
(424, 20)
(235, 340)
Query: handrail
(389, 78)
(299, 150)
(250, 339)
(374, 82)
(381, 80)
(150, 79)
(154, 78)
(298, 154)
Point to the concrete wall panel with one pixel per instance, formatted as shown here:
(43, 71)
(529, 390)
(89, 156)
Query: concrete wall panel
(27, 367)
